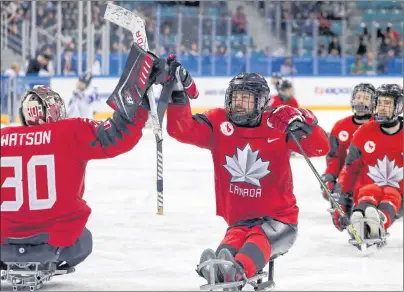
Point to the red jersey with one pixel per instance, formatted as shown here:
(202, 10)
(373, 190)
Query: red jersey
(340, 139)
(253, 177)
(43, 173)
(374, 157)
(277, 101)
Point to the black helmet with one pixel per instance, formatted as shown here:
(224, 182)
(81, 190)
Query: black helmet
(251, 83)
(86, 78)
(282, 87)
(362, 109)
(395, 92)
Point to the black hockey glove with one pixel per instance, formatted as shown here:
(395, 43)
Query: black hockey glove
(185, 86)
(346, 202)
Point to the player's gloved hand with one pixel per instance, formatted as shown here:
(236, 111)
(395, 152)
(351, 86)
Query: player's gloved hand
(185, 86)
(142, 70)
(346, 203)
(290, 120)
(329, 180)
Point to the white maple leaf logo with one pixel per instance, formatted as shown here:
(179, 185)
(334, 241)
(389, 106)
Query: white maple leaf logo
(386, 173)
(246, 167)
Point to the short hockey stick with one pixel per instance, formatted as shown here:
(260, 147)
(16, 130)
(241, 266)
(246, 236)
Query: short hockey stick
(350, 227)
(136, 25)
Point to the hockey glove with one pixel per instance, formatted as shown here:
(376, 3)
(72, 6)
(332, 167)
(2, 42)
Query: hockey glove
(287, 119)
(185, 86)
(346, 203)
(142, 70)
(329, 180)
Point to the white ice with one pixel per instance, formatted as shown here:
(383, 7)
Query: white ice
(134, 249)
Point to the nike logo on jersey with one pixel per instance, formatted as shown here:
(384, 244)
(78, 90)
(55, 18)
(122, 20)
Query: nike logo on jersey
(272, 140)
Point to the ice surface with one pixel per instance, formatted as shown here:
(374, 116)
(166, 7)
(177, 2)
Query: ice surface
(134, 249)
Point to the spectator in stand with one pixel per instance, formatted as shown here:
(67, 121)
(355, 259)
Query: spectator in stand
(39, 66)
(287, 67)
(167, 39)
(14, 70)
(239, 21)
(395, 47)
(324, 25)
(334, 45)
(194, 49)
(357, 67)
(68, 67)
(368, 64)
(334, 53)
(391, 32)
(362, 48)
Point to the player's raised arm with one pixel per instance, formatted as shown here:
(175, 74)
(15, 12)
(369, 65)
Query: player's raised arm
(303, 124)
(181, 124)
(119, 134)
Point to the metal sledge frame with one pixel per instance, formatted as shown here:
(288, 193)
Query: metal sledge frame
(368, 242)
(255, 281)
(30, 274)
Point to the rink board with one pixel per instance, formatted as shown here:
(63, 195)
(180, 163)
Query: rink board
(315, 93)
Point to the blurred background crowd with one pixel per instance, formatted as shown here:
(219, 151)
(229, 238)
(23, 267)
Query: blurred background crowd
(209, 37)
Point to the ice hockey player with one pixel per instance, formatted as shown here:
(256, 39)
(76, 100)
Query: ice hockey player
(81, 104)
(375, 161)
(285, 95)
(43, 162)
(253, 180)
(362, 103)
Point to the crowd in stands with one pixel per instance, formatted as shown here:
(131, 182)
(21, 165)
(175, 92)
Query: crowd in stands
(303, 16)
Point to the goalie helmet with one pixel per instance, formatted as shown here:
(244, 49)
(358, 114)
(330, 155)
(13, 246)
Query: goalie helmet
(251, 85)
(385, 113)
(41, 105)
(363, 100)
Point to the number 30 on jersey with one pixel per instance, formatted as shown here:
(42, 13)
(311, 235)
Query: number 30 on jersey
(17, 182)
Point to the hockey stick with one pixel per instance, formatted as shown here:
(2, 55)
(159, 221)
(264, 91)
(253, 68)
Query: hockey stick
(136, 25)
(350, 227)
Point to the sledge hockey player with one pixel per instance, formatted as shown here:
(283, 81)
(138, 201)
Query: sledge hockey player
(253, 180)
(81, 104)
(43, 164)
(362, 103)
(371, 180)
(285, 95)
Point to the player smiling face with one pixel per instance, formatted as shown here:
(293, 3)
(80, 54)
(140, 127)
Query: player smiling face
(243, 102)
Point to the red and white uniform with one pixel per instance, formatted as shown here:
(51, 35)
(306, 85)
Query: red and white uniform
(253, 177)
(43, 174)
(373, 170)
(340, 139)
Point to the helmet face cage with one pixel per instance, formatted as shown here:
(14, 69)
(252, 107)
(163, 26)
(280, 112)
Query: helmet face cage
(41, 105)
(282, 90)
(395, 92)
(246, 86)
(363, 99)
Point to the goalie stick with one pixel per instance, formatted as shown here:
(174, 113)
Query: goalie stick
(136, 25)
(350, 227)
